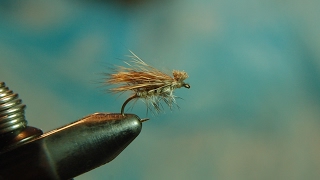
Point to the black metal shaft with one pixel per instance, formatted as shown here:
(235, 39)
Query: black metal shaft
(71, 150)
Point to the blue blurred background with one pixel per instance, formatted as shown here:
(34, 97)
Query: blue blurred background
(253, 109)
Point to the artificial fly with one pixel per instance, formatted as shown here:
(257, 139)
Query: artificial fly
(146, 82)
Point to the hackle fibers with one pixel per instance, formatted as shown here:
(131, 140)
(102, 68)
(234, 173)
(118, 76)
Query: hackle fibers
(146, 82)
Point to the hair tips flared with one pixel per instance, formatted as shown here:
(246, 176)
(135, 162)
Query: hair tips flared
(146, 82)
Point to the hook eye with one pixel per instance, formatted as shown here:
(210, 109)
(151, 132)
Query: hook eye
(186, 86)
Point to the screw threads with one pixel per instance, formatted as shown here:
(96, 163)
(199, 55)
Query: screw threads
(12, 119)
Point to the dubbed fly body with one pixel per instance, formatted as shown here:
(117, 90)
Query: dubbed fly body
(146, 82)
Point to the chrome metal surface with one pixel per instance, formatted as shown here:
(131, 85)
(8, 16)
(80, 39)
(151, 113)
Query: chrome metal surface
(12, 119)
